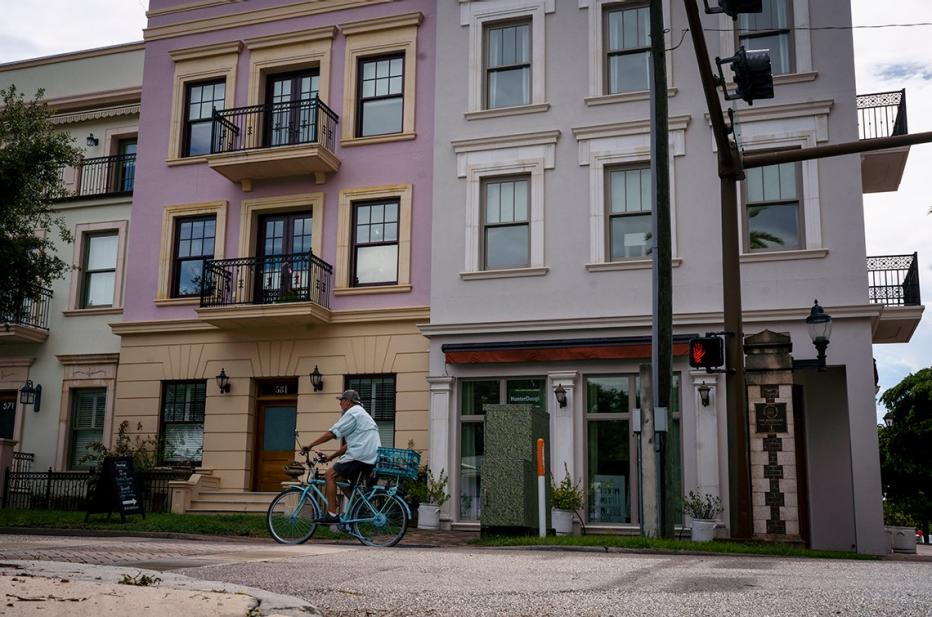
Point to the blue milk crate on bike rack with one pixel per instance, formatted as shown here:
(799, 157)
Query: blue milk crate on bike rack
(397, 462)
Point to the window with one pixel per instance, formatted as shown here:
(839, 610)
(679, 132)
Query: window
(200, 101)
(772, 30)
(99, 265)
(381, 95)
(194, 244)
(284, 252)
(627, 49)
(182, 434)
(773, 220)
(87, 424)
(126, 166)
(377, 393)
(473, 396)
(375, 243)
(611, 447)
(628, 202)
(508, 65)
(505, 224)
(292, 117)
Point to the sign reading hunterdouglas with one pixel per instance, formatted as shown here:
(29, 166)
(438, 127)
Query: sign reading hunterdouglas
(526, 392)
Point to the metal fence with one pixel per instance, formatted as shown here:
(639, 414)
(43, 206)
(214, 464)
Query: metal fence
(274, 279)
(306, 121)
(882, 114)
(22, 461)
(100, 176)
(33, 310)
(68, 490)
(894, 280)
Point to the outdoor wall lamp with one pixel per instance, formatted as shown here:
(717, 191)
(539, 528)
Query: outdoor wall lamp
(317, 380)
(92, 141)
(704, 390)
(31, 395)
(223, 382)
(560, 393)
(820, 329)
(888, 419)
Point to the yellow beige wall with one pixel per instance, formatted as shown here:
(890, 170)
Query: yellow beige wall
(146, 359)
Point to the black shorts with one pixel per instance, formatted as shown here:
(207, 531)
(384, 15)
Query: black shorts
(351, 470)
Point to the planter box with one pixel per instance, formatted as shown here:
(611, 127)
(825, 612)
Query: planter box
(904, 539)
(703, 530)
(428, 516)
(562, 521)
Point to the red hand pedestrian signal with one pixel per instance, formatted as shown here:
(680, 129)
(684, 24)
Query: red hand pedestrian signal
(706, 352)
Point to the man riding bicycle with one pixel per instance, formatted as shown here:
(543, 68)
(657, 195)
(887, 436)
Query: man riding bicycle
(360, 435)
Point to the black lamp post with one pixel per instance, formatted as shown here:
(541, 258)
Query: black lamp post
(820, 329)
(223, 382)
(888, 419)
(317, 380)
(31, 395)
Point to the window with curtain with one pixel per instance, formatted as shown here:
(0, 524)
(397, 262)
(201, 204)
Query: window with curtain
(628, 202)
(773, 213)
(771, 29)
(182, 434)
(508, 65)
(88, 408)
(381, 95)
(99, 269)
(506, 233)
(377, 393)
(627, 48)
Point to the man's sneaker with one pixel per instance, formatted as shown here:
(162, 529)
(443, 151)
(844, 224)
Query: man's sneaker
(328, 519)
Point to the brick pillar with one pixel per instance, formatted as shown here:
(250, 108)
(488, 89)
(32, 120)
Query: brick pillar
(769, 378)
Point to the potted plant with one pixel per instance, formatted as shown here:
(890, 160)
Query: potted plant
(703, 509)
(900, 528)
(566, 498)
(434, 496)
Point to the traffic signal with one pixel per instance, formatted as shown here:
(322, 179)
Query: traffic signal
(753, 75)
(733, 8)
(706, 352)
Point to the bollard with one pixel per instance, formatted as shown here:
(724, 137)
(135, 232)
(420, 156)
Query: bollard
(541, 494)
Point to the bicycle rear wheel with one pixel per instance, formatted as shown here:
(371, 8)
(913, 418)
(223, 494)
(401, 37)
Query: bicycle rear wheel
(292, 516)
(381, 522)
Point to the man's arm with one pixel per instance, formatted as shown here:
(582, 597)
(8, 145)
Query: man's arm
(340, 452)
(324, 438)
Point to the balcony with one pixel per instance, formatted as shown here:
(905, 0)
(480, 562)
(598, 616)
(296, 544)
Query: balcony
(102, 176)
(882, 115)
(258, 291)
(31, 323)
(893, 281)
(274, 141)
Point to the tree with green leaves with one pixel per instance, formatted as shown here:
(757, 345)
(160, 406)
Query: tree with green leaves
(32, 155)
(906, 446)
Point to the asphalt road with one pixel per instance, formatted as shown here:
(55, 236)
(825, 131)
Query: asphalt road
(350, 580)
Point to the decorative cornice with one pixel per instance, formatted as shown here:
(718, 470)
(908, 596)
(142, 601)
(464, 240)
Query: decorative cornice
(382, 23)
(110, 50)
(781, 112)
(518, 140)
(386, 314)
(206, 51)
(621, 129)
(190, 6)
(288, 38)
(16, 361)
(88, 358)
(96, 114)
(124, 328)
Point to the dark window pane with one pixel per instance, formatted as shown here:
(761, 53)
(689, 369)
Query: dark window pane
(774, 226)
(607, 394)
(609, 467)
(629, 236)
(472, 454)
(380, 117)
(475, 394)
(199, 142)
(189, 277)
(507, 247)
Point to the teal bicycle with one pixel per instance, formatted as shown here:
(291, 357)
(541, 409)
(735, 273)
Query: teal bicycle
(375, 514)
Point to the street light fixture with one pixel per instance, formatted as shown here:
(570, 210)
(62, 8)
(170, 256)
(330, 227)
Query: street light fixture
(819, 324)
(223, 382)
(704, 390)
(317, 380)
(888, 419)
(31, 395)
(560, 393)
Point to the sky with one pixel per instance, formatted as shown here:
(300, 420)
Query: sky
(885, 58)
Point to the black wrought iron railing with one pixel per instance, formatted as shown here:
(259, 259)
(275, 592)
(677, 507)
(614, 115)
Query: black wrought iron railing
(894, 280)
(101, 176)
(22, 461)
(307, 121)
(33, 310)
(882, 114)
(274, 279)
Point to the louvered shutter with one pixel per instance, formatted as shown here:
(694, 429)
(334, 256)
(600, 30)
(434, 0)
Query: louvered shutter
(87, 422)
(378, 397)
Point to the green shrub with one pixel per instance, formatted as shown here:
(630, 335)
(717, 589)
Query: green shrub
(702, 507)
(566, 495)
(894, 516)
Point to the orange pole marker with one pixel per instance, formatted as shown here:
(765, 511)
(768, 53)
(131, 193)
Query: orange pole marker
(540, 457)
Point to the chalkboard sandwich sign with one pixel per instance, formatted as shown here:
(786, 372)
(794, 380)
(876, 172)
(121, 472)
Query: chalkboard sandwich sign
(115, 490)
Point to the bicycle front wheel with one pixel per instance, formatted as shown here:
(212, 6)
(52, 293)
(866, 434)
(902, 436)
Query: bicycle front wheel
(292, 516)
(380, 522)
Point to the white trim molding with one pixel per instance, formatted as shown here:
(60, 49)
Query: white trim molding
(526, 153)
(476, 15)
(619, 144)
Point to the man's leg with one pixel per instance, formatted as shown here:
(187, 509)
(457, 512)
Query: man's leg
(330, 492)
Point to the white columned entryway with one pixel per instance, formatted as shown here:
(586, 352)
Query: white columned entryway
(561, 424)
(439, 451)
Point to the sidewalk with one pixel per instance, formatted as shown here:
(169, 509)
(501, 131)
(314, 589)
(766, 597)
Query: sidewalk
(80, 590)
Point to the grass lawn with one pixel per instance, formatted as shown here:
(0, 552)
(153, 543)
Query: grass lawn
(638, 543)
(242, 525)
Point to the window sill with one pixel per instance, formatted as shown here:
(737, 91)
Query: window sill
(383, 289)
(178, 301)
(504, 274)
(499, 112)
(626, 97)
(108, 310)
(628, 264)
(747, 258)
(377, 139)
(188, 160)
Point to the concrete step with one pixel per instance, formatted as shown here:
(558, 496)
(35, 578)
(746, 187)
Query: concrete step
(222, 507)
(236, 497)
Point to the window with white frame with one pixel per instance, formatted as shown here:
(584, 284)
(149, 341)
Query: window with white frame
(507, 64)
(628, 205)
(99, 269)
(627, 48)
(89, 407)
(771, 29)
(505, 223)
(773, 211)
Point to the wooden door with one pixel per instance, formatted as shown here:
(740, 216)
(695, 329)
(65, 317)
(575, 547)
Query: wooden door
(275, 443)
(7, 414)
